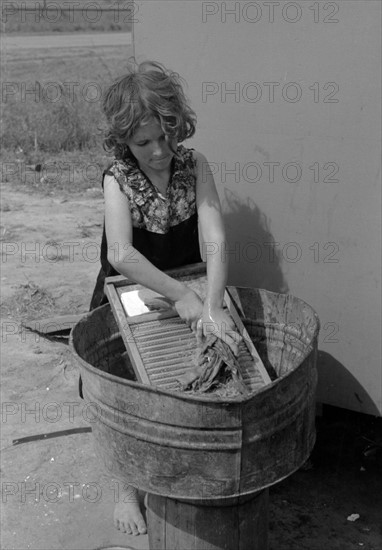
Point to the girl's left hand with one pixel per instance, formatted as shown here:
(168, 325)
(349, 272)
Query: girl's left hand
(218, 323)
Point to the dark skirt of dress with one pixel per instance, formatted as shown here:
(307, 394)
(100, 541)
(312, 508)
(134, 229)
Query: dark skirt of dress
(176, 248)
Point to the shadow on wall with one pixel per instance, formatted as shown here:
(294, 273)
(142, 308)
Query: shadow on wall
(337, 386)
(252, 255)
(254, 261)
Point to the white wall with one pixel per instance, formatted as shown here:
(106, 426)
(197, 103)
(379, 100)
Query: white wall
(325, 234)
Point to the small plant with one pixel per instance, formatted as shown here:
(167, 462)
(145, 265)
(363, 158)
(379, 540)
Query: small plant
(30, 301)
(69, 124)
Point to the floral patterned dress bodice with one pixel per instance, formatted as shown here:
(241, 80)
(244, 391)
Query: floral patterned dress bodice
(150, 210)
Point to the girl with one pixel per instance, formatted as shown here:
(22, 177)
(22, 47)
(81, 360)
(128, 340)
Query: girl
(156, 193)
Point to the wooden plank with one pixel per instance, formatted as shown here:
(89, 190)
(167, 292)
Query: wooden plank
(126, 333)
(54, 325)
(247, 339)
(220, 524)
(176, 272)
(191, 269)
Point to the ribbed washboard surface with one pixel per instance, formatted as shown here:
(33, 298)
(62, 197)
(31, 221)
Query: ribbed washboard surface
(167, 348)
(162, 347)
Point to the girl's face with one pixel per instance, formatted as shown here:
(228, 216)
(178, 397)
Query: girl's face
(151, 147)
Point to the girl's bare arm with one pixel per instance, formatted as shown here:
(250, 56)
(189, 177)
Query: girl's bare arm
(213, 233)
(132, 264)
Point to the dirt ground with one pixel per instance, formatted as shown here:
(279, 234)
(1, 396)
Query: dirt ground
(55, 494)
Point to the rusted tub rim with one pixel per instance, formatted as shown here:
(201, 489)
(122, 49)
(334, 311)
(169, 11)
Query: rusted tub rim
(192, 397)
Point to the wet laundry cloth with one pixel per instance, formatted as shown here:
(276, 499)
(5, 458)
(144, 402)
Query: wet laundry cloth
(217, 369)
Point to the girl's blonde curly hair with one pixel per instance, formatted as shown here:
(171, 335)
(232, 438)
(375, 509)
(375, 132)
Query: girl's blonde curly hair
(149, 90)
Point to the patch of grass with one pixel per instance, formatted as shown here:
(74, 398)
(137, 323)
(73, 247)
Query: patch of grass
(51, 133)
(78, 16)
(67, 171)
(85, 230)
(8, 233)
(29, 302)
(70, 123)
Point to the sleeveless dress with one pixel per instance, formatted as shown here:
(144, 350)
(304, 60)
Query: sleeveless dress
(165, 229)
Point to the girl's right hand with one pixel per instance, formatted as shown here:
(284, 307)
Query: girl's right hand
(190, 308)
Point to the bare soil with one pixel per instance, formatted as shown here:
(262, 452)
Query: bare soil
(55, 493)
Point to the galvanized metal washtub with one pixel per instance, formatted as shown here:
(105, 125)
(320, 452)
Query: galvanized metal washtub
(193, 447)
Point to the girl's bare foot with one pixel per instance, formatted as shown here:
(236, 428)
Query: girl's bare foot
(128, 517)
